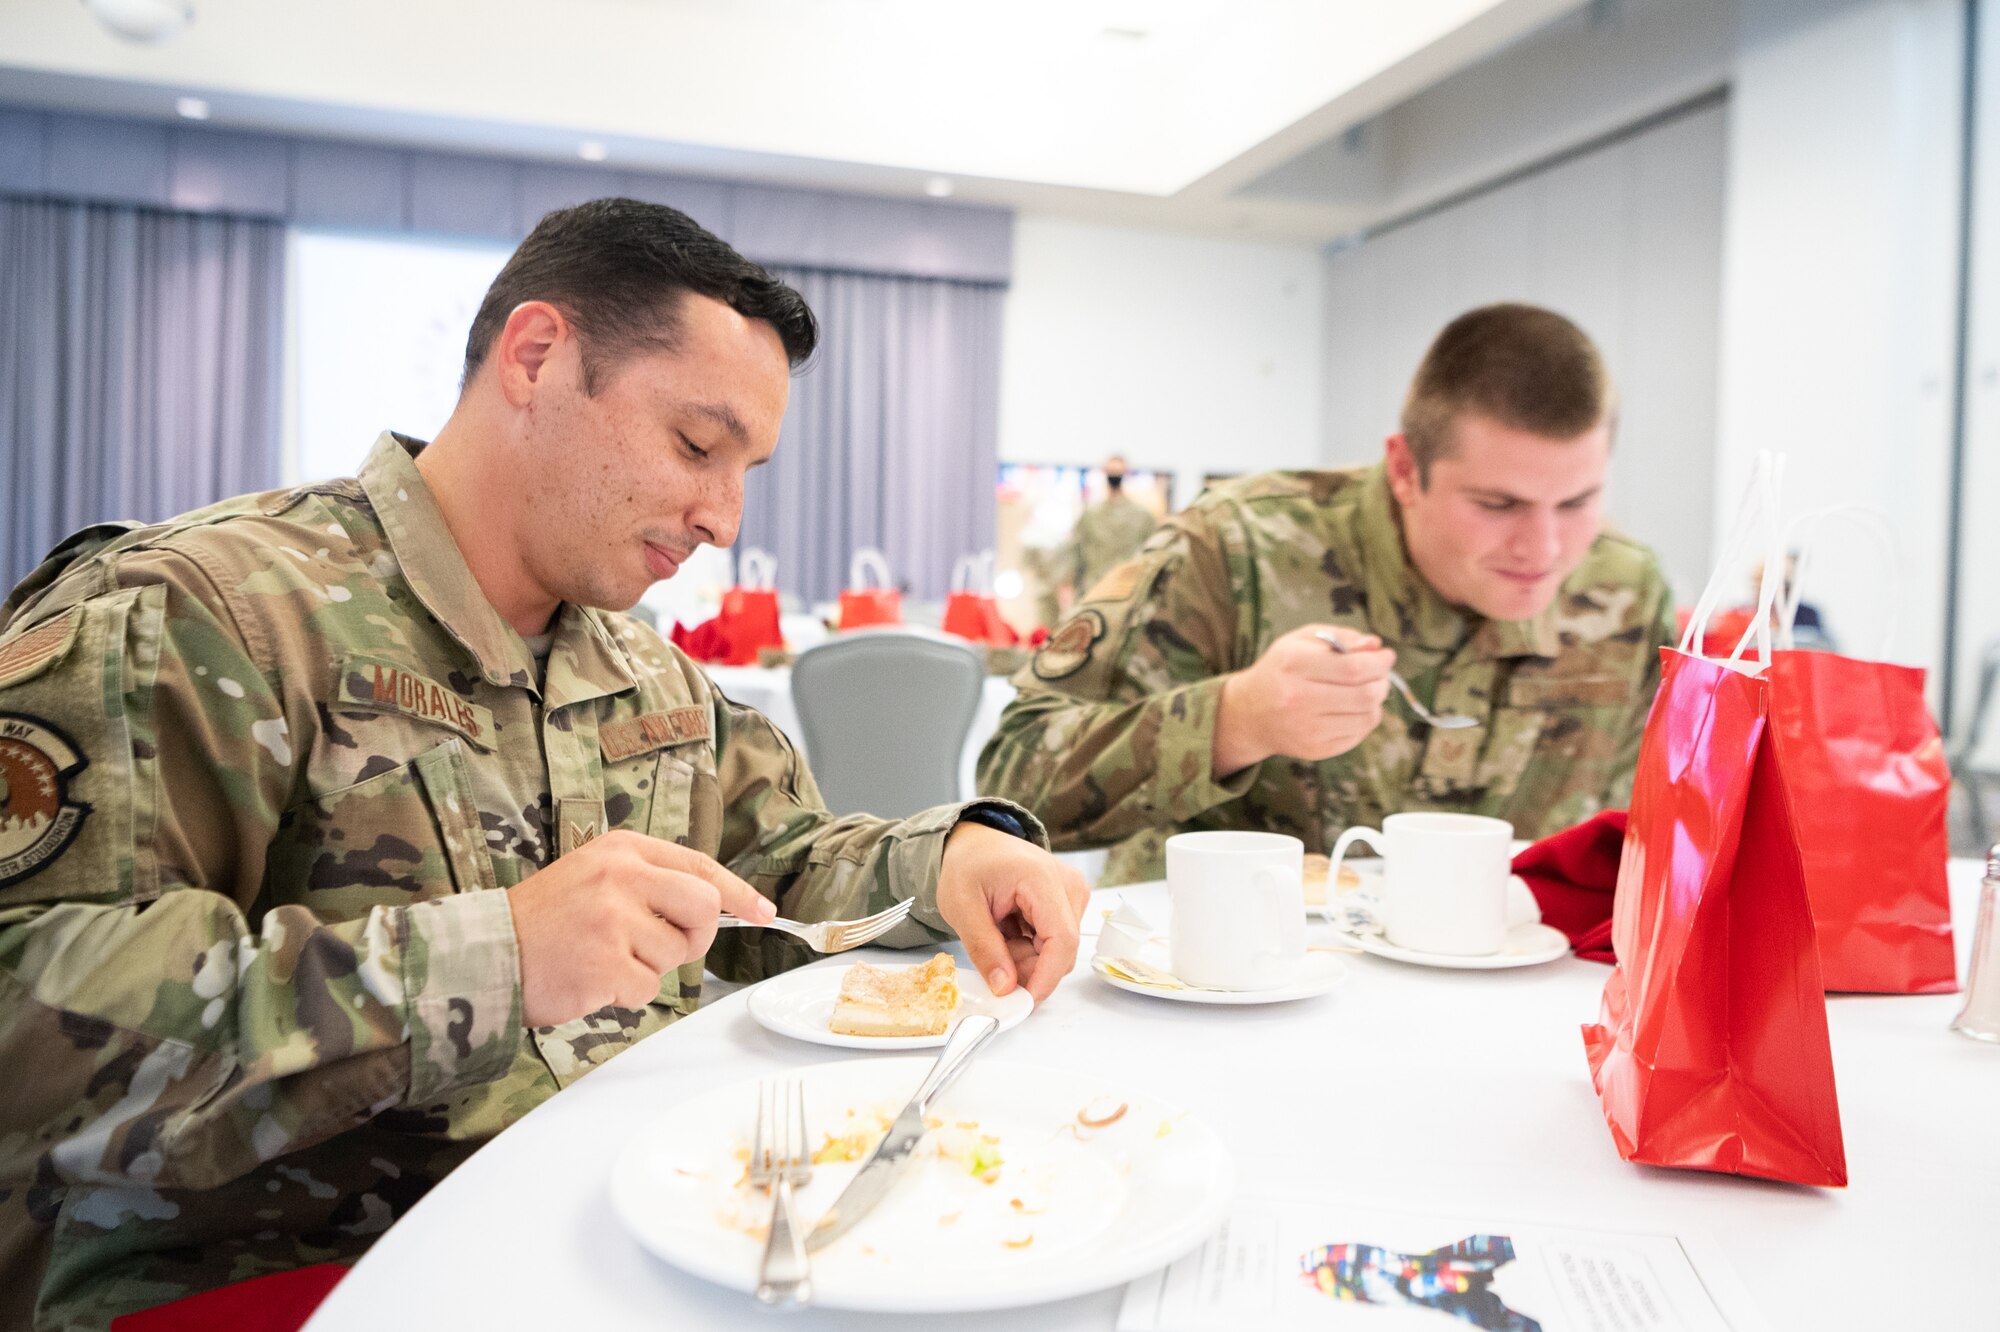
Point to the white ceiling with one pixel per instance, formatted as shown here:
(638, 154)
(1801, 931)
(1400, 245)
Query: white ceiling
(1143, 109)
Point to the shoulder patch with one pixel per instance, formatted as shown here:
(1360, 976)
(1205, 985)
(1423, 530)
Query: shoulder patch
(29, 654)
(1118, 584)
(380, 686)
(621, 740)
(1066, 653)
(38, 820)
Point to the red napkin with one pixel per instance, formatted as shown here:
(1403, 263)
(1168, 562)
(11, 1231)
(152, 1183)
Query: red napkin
(707, 641)
(280, 1302)
(1572, 875)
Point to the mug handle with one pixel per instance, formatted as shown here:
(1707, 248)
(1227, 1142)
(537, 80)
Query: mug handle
(1375, 842)
(1288, 926)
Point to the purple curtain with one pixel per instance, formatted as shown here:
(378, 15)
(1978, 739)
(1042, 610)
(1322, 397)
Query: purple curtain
(891, 439)
(140, 366)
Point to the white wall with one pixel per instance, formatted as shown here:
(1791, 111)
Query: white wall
(1979, 514)
(1626, 241)
(1181, 352)
(1839, 287)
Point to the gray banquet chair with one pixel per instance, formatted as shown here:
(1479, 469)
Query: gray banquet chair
(1964, 751)
(885, 713)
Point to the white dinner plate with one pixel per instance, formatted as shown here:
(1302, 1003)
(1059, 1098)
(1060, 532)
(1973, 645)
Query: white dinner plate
(1071, 1208)
(1526, 946)
(1319, 973)
(800, 1004)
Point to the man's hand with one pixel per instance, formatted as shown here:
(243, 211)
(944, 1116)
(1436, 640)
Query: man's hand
(601, 925)
(1302, 699)
(1013, 905)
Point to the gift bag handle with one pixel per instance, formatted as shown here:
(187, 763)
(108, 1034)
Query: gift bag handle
(1758, 510)
(866, 562)
(974, 573)
(1798, 536)
(756, 569)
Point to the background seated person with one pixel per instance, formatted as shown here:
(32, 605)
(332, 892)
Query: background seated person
(1188, 689)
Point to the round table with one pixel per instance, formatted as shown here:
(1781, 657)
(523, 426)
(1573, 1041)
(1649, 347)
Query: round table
(1457, 1091)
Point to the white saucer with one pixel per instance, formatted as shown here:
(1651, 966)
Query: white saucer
(1526, 946)
(1319, 973)
(799, 1004)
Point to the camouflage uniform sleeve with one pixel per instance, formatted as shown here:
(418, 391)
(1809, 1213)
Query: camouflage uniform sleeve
(779, 836)
(178, 1038)
(1113, 731)
(1661, 632)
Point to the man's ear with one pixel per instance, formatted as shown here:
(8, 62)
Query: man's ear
(527, 343)
(1400, 464)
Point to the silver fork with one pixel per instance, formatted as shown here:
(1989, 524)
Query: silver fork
(832, 936)
(1443, 721)
(781, 1156)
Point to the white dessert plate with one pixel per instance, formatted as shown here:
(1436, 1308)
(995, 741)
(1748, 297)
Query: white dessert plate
(1526, 946)
(799, 1004)
(1092, 1183)
(1319, 973)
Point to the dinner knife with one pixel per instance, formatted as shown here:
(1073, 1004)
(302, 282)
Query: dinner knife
(893, 1153)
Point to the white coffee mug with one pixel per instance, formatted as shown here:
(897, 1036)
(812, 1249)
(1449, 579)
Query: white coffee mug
(1444, 884)
(1238, 908)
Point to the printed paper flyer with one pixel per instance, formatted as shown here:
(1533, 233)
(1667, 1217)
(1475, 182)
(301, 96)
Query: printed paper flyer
(1295, 1262)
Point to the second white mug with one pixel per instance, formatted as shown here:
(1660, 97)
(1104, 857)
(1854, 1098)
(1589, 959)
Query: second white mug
(1444, 884)
(1238, 908)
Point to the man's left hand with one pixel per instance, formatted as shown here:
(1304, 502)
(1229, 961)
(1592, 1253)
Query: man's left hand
(1014, 906)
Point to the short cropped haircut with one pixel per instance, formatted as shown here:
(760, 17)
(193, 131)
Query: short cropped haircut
(618, 270)
(1521, 366)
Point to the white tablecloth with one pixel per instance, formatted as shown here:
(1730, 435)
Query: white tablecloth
(1459, 1091)
(769, 690)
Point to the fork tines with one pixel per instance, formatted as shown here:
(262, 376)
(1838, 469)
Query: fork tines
(854, 933)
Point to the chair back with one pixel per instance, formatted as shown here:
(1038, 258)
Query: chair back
(884, 715)
(1968, 741)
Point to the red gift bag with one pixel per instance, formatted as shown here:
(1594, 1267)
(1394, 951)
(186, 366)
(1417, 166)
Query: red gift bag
(749, 616)
(862, 605)
(1865, 771)
(970, 611)
(1711, 1048)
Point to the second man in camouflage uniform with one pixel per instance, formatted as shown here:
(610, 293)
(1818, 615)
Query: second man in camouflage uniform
(1190, 689)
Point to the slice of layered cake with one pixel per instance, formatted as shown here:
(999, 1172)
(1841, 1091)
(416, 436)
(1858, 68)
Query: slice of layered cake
(897, 1001)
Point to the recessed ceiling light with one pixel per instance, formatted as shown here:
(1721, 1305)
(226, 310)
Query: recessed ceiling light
(1125, 34)
(142, 20)
(938, 187)
(590, 150)
(191, 108)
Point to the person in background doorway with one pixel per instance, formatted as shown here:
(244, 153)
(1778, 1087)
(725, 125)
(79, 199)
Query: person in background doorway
(1109, 532)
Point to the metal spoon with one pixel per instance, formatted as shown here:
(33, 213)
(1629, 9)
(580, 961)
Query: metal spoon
(1448, 722)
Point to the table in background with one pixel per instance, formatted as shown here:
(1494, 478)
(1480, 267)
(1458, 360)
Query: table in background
(1450, 1091)
(769, 690)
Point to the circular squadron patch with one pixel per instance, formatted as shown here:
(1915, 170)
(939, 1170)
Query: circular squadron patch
(37, 817)
(1066, 652)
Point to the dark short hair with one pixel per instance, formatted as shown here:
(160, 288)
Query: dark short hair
(617, 269)
(1525, 367)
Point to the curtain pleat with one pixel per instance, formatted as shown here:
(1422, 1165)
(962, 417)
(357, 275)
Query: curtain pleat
(140, 356)
(892, 436)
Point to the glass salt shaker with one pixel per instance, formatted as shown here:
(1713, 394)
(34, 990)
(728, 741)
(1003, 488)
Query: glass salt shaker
(1980, 1018)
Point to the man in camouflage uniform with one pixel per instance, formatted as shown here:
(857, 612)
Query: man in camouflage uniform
(1108, 532)
(343, 830)
(1190, 688)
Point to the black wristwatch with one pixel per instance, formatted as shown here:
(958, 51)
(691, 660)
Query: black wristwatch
(996, 816)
